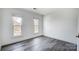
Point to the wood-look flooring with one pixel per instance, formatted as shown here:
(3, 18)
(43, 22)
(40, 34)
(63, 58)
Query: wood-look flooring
(41, 43)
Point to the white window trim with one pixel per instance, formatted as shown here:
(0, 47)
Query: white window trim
(13, 28)
(36, 25)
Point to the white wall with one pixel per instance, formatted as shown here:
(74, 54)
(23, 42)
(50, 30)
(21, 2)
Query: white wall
(27, 28)
(78, 30)
(61, 24)
(0, 28)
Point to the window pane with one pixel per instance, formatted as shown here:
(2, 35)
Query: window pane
(36, 29)
(17, 30)
(17, 22)
(36, 22)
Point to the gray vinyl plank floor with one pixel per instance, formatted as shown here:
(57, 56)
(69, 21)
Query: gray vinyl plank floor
(41, 43)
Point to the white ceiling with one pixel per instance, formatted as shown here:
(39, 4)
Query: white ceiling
(43, 11)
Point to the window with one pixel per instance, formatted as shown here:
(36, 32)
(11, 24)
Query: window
(17, 23)
(36, 25)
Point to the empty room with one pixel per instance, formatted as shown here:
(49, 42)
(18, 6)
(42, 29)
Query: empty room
(39, 29)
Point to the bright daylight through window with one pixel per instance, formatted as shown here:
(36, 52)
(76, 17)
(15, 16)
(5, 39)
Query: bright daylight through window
(17, 24)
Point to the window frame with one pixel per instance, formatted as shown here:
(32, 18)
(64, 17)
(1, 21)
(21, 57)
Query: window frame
(36, 25)
(13, 26)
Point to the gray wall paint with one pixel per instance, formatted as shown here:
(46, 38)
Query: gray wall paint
(0, 27)
(27, 28)
(78, 30)
(61, 24)
(77, 34)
